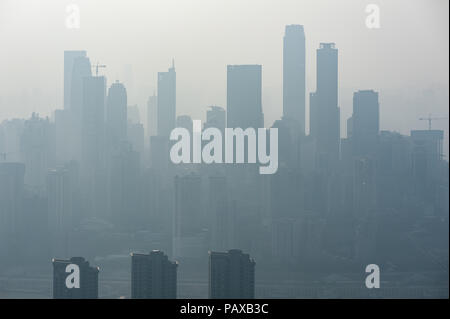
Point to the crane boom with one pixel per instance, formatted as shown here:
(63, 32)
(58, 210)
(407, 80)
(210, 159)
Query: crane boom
(430, 119)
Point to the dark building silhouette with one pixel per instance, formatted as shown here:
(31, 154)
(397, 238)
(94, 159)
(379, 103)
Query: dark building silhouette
(365, 122)
(69, 58)
(124, 187)
(231, 275)
(324, 110)
(166, 101)
(116, 114)
(60, 210)
(88, 279)
(93, 168)
(153, 276)
(244, 108)
(294, 75)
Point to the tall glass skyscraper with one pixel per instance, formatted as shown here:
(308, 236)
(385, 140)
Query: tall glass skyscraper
(294, 75)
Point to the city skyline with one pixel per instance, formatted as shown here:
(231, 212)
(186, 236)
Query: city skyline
(178, 168)
(393, 75)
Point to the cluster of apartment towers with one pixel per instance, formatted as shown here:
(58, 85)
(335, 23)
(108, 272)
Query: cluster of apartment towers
(154, 276)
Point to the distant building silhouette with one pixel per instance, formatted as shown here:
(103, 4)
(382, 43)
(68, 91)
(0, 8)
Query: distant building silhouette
(60, 203)
(88, 279)
(365, 123)
(294, 75)
(244, 108)
(69, 58)
(153, 276)
(166, 101)
(324, 109)
(116, 114)
(231, 275)
(93, 168)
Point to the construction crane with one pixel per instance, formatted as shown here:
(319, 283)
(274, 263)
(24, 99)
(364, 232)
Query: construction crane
(430, 119)
(98, 66)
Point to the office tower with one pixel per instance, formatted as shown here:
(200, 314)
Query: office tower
(166, 101)
(69, 58)
(94, 89)
(59, 217)
(93, 165)
(81, 69)
(11, 198)
(244, 108)
(88, 279)
(365, 123)
(188, 222)
(152, 116)
(294, 75)
(74, 131)
(325, 126)
(116, 114)
(124, 187)
(231, 275)
(37, 149)
(216, 117)
(153, 276)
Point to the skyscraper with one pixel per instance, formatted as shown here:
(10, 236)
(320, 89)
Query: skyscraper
(88, 279)
(93, 121)
(93, 165)
(116, 114)
(244, 107)
(69, 58)
(166, 101)
(324, 109)
(365, 122)
(231, 275)
(59, 194)
(294, 75)
(74, 131)
(153, 276)
(81, 69)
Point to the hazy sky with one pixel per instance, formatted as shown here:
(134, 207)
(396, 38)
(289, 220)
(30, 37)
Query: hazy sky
(406, 60)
